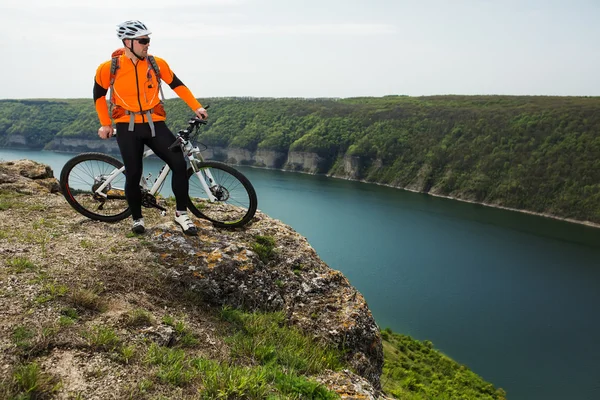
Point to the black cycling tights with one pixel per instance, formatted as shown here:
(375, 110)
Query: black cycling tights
(132, 144)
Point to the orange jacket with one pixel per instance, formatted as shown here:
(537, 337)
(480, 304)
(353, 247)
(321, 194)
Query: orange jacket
(136, 89)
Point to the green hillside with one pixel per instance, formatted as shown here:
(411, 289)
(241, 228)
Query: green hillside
(540, 154)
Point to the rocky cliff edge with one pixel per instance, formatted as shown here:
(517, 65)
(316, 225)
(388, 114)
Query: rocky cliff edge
(52, 257)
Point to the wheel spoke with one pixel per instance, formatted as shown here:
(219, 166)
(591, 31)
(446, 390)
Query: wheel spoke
(82, 175)
(236, 199)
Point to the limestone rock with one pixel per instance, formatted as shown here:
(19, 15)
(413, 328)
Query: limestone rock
(28, 177)
(223, 268)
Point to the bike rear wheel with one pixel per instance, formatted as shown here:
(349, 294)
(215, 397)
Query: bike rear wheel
(236, 198)
(82, 175)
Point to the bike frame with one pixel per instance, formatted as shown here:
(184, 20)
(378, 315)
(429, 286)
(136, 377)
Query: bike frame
(192, 153)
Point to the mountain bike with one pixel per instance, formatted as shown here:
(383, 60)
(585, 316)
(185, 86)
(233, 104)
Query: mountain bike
(94, 185)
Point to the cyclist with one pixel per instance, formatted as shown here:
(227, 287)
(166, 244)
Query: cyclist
(136, 108)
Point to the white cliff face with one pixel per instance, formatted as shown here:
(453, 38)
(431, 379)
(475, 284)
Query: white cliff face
(305, 162)
(78, 145)
(239, 156)
(16, 140)
(296, 161)
(269, 158)
(352, 166)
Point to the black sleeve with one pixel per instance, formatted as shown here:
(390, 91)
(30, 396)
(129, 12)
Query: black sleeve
(99, 91)
(176, 82)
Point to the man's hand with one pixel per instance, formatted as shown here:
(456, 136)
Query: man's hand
(105, 131)
(201, 113)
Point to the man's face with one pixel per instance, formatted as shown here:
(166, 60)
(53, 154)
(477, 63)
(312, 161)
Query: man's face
(140, 45)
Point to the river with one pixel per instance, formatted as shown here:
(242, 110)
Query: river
(513, 296)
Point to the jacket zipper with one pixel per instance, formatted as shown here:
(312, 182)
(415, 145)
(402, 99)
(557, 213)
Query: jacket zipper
(137, 87)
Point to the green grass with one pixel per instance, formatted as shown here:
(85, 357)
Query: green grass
(86, 244)
(20, 264)
(297, 269)
(264, 247)
(51, 291)
(103, 338)
(22, 337)
(268, 360)
(9, 200)
(127, 353)
(36, 208)
(185, 337)
(30, 382)
(173, 366)
(138, 318)
(70, 313)
(41, 222)
(218, 380)
(6, 204)
(88, 299)
(265, 338)
(414, 370)
(56, 290)
(65, 321)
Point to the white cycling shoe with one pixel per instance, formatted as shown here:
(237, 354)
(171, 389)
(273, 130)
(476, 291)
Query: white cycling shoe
(138, 226)
(186, 224)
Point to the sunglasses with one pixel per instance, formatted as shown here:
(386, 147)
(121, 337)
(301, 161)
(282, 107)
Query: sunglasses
(143, 40)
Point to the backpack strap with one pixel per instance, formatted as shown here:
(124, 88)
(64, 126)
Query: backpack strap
(114, 66)
(153, 64)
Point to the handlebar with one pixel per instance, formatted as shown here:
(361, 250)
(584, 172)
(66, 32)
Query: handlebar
(194, 122)
(184, 134)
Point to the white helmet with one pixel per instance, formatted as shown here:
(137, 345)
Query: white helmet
(131, 30)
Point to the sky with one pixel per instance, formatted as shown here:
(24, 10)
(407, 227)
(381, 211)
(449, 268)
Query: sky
(312, 48)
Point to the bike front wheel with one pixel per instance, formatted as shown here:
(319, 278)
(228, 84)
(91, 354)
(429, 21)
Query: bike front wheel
(236, 201)
(83, 175)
